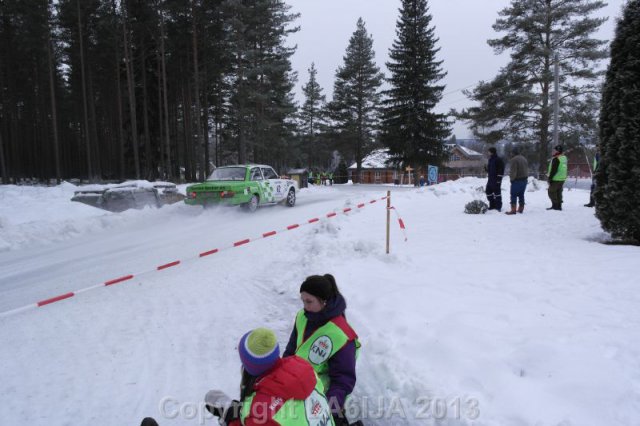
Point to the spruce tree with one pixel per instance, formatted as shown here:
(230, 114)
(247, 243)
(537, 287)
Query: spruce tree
(411, 130)
(356, 96)
(617, 193)
(312, 117)
(518, 103)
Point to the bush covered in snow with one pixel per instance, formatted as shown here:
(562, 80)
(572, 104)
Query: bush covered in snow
(476, 207)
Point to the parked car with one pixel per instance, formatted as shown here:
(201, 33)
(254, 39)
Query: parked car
(250, 186)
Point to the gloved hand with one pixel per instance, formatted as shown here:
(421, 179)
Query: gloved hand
(217, 402)
(220, 405)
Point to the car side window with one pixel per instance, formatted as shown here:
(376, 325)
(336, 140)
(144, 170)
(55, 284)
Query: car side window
(269, 173)
(256, 174)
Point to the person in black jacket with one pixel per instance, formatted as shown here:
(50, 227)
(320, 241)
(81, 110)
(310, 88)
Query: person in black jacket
(495, 171)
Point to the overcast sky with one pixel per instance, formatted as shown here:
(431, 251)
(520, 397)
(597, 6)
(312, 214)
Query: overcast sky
(463, 27)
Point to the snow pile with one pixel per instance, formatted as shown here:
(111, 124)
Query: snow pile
(475, 320)
(34, 214)
(40, 215)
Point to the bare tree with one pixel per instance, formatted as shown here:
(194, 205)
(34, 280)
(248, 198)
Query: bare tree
(86, 132)
(196, 76)
(54, 110)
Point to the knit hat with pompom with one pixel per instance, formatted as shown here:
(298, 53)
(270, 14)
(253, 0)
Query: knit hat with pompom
(259, 351)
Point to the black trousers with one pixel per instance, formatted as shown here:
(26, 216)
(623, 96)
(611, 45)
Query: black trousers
(494, 195)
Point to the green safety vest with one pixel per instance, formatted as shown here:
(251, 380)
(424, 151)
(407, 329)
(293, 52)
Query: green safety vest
(323, 343)
(595, 163)
(561, 174)
(314, 410)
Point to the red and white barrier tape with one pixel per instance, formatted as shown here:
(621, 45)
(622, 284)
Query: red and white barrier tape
(179, 262)
(400, 222)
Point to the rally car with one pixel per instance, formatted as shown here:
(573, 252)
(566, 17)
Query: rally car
(250, 186)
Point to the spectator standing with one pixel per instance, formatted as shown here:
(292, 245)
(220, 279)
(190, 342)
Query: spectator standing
(596, 163)
(518, 175)
(557, 175)
(495, 172)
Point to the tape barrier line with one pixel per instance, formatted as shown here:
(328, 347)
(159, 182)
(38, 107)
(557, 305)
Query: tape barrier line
(400, 222)
(208, 253)
(55, 299)
(118, 280)
(169, 265)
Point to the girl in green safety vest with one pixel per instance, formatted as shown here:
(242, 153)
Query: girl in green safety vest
(323, 336)
(274, 391)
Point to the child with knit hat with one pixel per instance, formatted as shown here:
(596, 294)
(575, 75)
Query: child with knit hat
(322, 336)
(274, 390)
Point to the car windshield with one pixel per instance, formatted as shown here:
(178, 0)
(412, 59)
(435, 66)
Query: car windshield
(228, 173)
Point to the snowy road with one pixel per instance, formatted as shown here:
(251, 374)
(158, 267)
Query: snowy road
(141, 241)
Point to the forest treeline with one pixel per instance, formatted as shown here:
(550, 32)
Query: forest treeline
(106, 89)
(168, 89)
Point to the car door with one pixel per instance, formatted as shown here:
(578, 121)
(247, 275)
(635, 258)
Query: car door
(278, 186)
(257, 181)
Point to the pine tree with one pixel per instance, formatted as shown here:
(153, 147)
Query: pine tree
(411, 130)
(342, 174)
(261, 78)
(356, 96)
(617, 193)
(517, 103)
(25, 91)
(312, 117)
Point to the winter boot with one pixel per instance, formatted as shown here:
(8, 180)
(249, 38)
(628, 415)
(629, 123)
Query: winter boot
(521, 208)
(512, 211)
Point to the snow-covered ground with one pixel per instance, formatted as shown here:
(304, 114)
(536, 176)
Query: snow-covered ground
(475, 320)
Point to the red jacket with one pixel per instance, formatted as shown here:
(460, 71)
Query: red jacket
(290, 378)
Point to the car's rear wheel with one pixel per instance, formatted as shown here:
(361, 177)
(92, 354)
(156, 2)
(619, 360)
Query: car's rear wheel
(291, 198)
(252, 205)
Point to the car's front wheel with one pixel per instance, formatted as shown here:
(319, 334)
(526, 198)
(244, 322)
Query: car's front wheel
(291, 198)
(252, 205)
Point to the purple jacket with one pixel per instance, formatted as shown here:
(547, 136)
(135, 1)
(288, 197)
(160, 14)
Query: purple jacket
(342, 365)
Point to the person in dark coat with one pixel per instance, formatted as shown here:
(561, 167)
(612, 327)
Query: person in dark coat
(322, 335)
(495, 172)
(519, 175)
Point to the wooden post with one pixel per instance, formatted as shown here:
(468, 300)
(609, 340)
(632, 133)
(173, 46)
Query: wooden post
(409, 170)
(388, 217)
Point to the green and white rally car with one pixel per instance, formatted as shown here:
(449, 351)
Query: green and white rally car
(250, 186)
